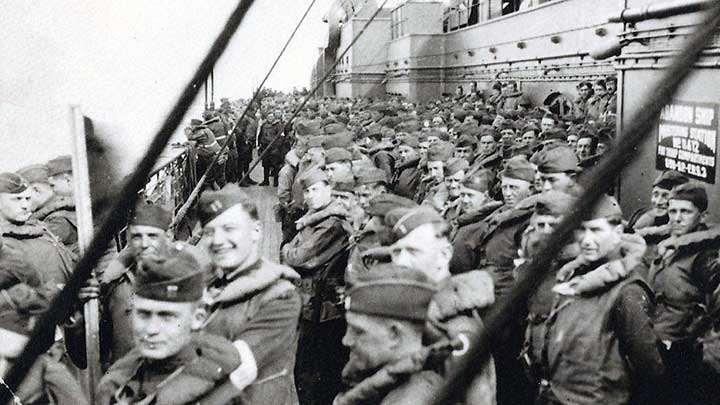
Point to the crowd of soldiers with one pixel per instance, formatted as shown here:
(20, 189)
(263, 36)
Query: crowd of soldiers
(403, 226)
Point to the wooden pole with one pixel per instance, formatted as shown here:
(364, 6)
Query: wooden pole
(83, 208)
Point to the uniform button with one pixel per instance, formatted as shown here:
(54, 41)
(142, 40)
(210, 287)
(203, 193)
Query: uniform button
(544, 383)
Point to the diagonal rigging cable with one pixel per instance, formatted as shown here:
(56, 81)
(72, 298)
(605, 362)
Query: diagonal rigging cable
(62, 303)
(329, 72)
(182, 211)
(639, 126)
(188, 203)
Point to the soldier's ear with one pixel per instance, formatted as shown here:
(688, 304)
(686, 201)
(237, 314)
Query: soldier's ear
(256, 233)
(447, 251)
(395, 335)
(199, 316)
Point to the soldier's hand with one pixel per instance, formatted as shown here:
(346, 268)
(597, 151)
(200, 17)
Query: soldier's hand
(90, 291)
(246, 374)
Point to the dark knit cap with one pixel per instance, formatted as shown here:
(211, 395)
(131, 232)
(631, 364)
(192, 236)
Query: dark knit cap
(693, 192)
(174, 276)
(12, 183)
(152, 215)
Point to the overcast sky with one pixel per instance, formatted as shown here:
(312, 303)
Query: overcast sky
(125, 62)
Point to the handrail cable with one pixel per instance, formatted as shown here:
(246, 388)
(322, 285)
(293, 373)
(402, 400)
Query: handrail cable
(182, 211)
(63, 302)
(638, 128)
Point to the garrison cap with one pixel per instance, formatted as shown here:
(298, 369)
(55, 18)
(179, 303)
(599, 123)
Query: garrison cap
(525, 149)
(481, 181)
(455, 165)
(402, 221)
(337, 155)
(37, 173)
(371, 175)
(561, 159)
(60, 165)
(468, 128)
(174, 276)
(385, 202)
(408, 126)
(693, 192)
(315, 141)
(557, 134)
(440, 151)
(391, 297)
(466, 140)
(487, 130)
(553, 203)
(334, 128)
(20, 303)
(460, 115)
(152, 215)
(339, 140)
(409, 140)
(438, 134)
(669, 179)
(344, 186)
(308, 128)
(12, 183)
(373, 129)
(518, 168)
(606, 207)
(312, 176)
(213, 203)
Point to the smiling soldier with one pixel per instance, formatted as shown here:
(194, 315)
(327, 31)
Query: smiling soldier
(686, 278)
(251, 299)
(598, 345)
